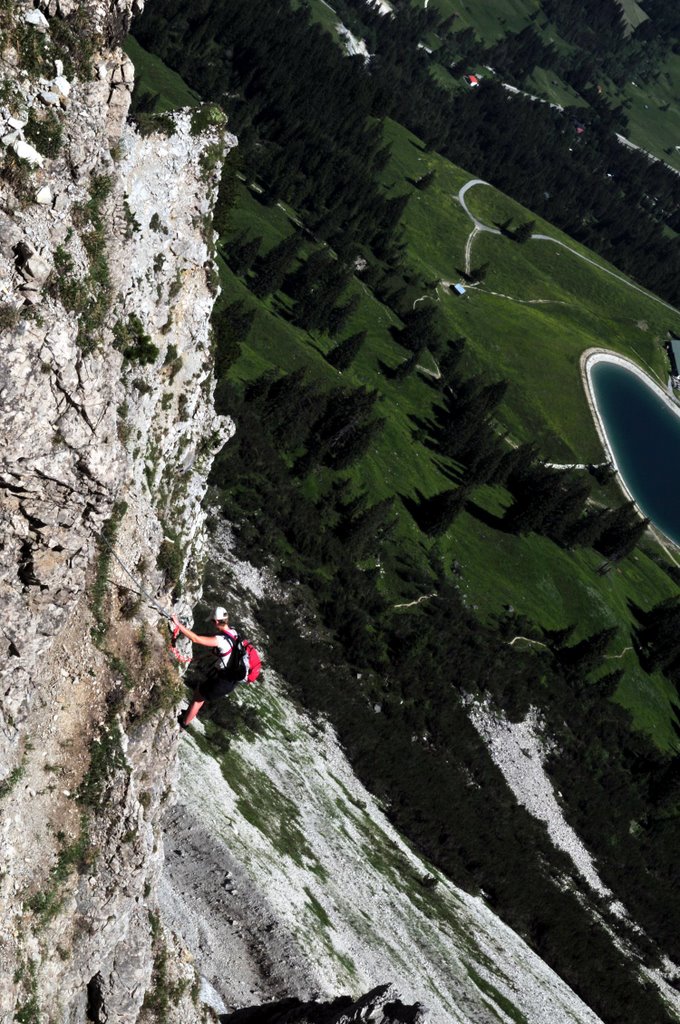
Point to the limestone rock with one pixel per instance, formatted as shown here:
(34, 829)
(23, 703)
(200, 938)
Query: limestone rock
(44, 196)
(75, 435)
(38, 19)
(61, 84)
(49, 98)
(36, 268)
(26, 152)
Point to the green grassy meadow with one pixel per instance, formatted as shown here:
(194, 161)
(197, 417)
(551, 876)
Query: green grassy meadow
(489, 18)
(653, 111)
(580, 306)
(325, 16)
(546, 83)
(536, 347)
(152, 75)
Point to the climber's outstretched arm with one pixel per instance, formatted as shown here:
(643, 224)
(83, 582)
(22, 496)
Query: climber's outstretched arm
(196, 638)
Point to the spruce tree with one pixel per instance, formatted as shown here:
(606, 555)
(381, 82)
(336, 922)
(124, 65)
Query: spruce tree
(231, 325)
(314, 269)
(587, 655)
(449, 362)
(436, 514)
(313, 309)
(342, 356)
(419, 327)
(361, 533)
(274, 265)
(622, 528)
(226, 194)
(524, 231)
(242, 253)
(339, 315)
(660, 635)
(406, 367)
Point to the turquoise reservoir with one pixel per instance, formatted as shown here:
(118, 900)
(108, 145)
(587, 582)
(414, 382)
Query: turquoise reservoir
(644, 436)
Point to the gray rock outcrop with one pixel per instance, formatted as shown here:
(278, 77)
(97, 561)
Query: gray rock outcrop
(107, 428)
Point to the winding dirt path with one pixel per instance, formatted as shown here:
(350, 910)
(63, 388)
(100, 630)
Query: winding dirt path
(480, 226)
(418, 600)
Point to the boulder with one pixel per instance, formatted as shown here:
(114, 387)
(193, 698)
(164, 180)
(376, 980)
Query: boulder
(44, 196)
(51, 99)
(61, 85)
(37, 269)
(26, 152)
(37, 19)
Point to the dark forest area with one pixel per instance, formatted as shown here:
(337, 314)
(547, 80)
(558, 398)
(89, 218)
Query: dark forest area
(305, 113)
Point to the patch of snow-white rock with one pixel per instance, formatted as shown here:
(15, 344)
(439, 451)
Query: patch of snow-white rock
(355, 47)
(517, 750)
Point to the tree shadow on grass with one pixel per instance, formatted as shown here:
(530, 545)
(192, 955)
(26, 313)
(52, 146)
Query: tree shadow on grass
(484, 516)
(504, 228)
(675, 725)
(414, 506)
(426, 431)
(453, 473)
(642, 617)
(390, 372)
(281, 310)
(397, 334)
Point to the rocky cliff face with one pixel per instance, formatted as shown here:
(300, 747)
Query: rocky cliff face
(107, 431)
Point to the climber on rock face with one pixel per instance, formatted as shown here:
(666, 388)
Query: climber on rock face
(236, 661)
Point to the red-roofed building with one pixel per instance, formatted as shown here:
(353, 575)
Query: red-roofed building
(471, 80)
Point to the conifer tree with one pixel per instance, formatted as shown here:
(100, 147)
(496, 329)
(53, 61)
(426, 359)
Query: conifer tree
(242, 253)
(449, 362)
(524, 231)
(436, 514)
(419, 327)
(465, 412)
(314, 268)
(342, 356)
(226, 194)
(313, 309)
(339, 315)
(660, 635)
(622, 528)
(290, 408)
(406, 367)
(231, 325)
(274, 265)
(362, 533)
(516, 463)
(585, 656)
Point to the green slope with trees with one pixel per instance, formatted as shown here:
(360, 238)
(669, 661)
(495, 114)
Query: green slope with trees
(422, 542)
